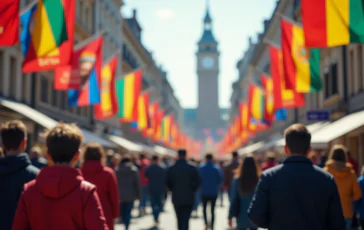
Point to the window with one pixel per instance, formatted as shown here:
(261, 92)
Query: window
(24, 86)
(12, 80)
(54, 98)
(331, 81)
(44, 89)
(352, 72)
(360, 68)
(63, 101)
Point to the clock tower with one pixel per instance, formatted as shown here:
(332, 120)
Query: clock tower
(208, 112)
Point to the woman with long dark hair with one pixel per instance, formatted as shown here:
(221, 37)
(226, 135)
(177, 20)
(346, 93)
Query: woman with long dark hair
(244, 184)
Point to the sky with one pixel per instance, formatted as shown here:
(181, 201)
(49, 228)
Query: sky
(172, 28)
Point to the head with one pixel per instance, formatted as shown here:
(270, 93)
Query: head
(155, 159)
(14, 137)
(182, 153)
(248, 175)
(116, 159)
(35, 152)
(235, 155)
(298, 140)
(126, 160)
(87, 61)
(94, 152)
(63, 143)
(338, 153)
(142, 156)
(270, 156)
(209, 157)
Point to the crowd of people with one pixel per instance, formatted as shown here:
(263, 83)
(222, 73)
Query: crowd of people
(85, 187)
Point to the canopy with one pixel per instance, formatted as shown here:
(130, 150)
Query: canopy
(251, 148)
(164, 151)
(126, 144)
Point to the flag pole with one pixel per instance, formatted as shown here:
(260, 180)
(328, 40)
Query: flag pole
(290, 20)
(118, 51)
(272, 43)
(90, 39)
(28, 7)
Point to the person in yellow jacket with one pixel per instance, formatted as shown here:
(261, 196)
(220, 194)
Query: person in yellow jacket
(345, 179)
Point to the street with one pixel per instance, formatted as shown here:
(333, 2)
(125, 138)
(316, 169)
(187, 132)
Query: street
(168, 220)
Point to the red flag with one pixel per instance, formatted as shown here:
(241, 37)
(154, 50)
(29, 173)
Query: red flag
(9, 22)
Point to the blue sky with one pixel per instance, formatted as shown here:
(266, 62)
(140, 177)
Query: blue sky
(171, 29)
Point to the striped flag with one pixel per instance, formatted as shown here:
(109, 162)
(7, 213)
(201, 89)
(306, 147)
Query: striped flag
(269, 109)
(127, 91)
(256, 102)
(329, 23)
(143, 111)
(301, 65)
(48, 35)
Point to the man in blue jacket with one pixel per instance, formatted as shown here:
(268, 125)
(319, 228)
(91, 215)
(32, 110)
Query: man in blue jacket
(211, 180)
(297, 194)
(15, 170)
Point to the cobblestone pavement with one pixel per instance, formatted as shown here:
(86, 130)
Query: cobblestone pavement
(168, 220)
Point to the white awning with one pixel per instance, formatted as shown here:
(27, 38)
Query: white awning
(30, 113)
(313, 128)
(89, 136)
(164, 151)
(126, 144)
(251, 148)
(337, 129)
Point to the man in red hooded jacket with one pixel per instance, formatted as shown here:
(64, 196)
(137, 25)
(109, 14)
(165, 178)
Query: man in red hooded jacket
(59, 198)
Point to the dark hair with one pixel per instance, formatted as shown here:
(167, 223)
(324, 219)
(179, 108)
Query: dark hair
(248, 175)
(13, 133)
(125, 160)
(155, 157)
(94, 152)
(209, 157)
(63, 142)
(338, 153)
(182, 153)
(298, 139)
(235, 154)
(142, 156)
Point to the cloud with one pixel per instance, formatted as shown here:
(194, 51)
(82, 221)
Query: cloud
(165, 13)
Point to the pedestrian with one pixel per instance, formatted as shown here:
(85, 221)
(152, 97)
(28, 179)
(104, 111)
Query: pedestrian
(270, 161)
(36, 157)
(345, 178)
(60, 198)
(360, 203)
(96, 172)
(221, 191)
(244, 184)
(115, 161)
(353, 162)
(156, 175)
(229, 172)
(323, 160)
(15, 170)
(197, 195)
(211, 180)
(297, 194)
(144, 163)
(129, 188)
(183, 180)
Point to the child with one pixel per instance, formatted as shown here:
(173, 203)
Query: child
(59, 197)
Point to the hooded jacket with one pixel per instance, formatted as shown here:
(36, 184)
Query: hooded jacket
(59, 199)
(107, 188)
(347, 184)
(15, 171)
(128, 182)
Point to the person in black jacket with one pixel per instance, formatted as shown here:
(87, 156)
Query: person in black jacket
(297, 194)
(15, 170)
(183, 180)
(37, 159)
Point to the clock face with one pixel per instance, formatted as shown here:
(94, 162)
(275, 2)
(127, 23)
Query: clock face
(208, 62)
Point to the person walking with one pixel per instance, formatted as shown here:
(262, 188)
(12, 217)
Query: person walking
(297, 194)
(221, 191)
(183, 180)
(211, 180)
(229, 172)
(156, 175)
(129, 189)
(15, 170)
(94, 171)
(144, 164)
(244, 184)
(36, 158)
(345, 178)
(270, 161)
(60, 198)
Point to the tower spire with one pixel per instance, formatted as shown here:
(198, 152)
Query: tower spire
(207, 16)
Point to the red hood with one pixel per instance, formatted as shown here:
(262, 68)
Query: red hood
(92, 167)
(144, 162)
(57, 181)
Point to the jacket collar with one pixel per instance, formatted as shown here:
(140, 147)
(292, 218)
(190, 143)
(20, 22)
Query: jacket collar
(297, 159)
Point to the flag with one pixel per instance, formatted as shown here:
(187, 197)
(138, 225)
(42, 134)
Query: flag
(329, 23)
(143, 111)
(152, 109)
(244, 117)
(158, 132)
(256, 102)
(166, 128)
(108, 105)
(283, 97)
(88, 69)
(281, 114)
(301, 65)
(9, 22)
(127, 91)
(267, 84)
(48, 35)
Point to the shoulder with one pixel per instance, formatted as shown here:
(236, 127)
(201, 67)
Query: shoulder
(30, 185)
(272, 171)
(323, 172)
(109, 172)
